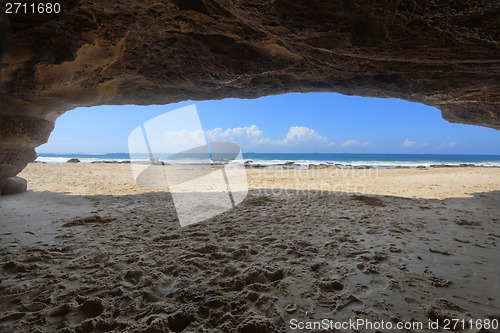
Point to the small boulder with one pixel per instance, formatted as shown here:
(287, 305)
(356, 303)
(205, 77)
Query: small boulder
(13, 185)
(73, 160)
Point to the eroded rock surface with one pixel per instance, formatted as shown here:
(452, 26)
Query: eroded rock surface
(13, 185)
(436, 52)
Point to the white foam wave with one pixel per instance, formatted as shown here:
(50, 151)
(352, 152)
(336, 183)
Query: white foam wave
(280, 163)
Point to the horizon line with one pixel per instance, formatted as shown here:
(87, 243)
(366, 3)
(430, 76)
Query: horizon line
(309, 153)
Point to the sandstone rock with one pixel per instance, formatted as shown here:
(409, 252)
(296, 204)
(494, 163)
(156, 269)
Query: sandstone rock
(255, 166)
(13, 185)
(316, 166)
(436, 52)
(362, 167)
(324, 166)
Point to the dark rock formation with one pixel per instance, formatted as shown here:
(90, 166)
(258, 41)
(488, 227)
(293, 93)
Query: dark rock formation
(13, 185)
(437, 52)
(73, 160)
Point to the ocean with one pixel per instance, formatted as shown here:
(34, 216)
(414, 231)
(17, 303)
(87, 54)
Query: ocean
(302, 159)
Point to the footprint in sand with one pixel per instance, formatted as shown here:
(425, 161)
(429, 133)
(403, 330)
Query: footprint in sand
(75, 313)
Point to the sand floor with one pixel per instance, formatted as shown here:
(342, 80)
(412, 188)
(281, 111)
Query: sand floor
(412, 246)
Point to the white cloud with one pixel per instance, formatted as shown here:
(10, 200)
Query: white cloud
(355, 143)
(232, 133)
(263, 141)
(296, 135)
(175, 141)
(253, 136)
(409, 143)
(448, 145)
(250, 135)
(300, 134)
(185, 135)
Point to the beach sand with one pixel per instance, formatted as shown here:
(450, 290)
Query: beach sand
(398, 246)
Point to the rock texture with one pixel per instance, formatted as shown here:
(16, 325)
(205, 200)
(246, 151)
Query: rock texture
(14, 185)
(438, 52)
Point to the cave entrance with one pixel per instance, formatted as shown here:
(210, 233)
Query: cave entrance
(324, 123)
(295, 132)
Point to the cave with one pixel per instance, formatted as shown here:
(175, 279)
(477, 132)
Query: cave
(86, 249)
(439, 53)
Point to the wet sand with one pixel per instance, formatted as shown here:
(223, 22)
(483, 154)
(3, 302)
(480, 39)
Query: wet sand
(401, 245)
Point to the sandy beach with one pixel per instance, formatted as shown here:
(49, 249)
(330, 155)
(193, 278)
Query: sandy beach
(88, 250)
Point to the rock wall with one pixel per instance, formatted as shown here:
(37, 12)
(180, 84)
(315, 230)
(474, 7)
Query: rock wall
(443, 53)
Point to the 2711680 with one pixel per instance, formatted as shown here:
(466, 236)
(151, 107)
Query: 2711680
(32, 8)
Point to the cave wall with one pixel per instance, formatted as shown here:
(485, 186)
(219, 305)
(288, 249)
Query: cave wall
(443, 53)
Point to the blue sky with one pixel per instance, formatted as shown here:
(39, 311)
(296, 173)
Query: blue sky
(315, 122)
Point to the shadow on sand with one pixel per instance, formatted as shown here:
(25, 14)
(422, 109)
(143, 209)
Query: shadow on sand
(275, 258)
